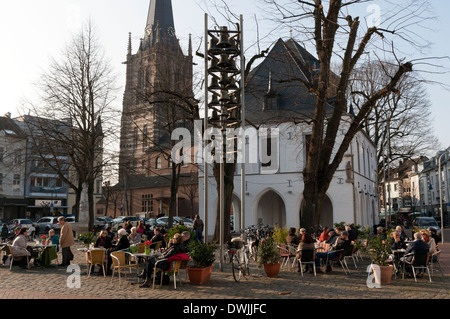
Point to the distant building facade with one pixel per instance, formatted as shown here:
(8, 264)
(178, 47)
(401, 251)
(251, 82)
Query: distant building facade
(13, 145)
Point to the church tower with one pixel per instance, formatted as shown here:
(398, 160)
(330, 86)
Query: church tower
(159, 66)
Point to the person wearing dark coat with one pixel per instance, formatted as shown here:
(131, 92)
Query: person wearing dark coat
(157, 237)
(418, 246)
(175, 247)
(104, 240)
(122, 244)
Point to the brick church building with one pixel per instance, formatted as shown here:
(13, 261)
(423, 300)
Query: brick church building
(158, 98)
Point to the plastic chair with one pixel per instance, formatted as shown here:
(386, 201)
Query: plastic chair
(308, 256)
(14, 257)
(120, 262)
(419, 261)
(96, 257)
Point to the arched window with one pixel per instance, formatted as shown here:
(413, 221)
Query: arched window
(158, 163)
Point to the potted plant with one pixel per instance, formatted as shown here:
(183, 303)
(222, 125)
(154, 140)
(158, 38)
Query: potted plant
(269, 257)
(379, 250)
(203, 256)
(86, 238)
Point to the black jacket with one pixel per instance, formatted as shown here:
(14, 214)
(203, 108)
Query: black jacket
(417, 246)
(122, 244)
(156, 239)
(106, 244)
(173, 250)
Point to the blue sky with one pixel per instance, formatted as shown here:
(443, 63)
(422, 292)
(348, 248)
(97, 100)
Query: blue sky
(33, 30)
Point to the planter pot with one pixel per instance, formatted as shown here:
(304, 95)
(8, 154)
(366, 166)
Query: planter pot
(199, 275)
(272, 270)
(384, 276)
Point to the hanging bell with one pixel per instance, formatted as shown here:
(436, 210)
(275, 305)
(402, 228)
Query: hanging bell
(224, 61)
(224, 97)
(232, 66)
(224, 41)
(233, 48)
(224, 79)
(214, 117)
(213, 65)
(214, 84)
(233, 100)
(232, 119)
(212, 47)
(214, 101)
(232, 84)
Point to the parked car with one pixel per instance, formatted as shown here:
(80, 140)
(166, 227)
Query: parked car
(426, 222)
(176, 221)
(44, 224)
(24, 223)
(103, 220)
(119, 222)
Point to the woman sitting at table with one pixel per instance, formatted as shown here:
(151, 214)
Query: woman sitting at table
(426, 237)
(176, 247)
(397, 241)
(20, 249)
(122, 244)
(306, 243)
(53, 239)
(134, 237)
(103, 241)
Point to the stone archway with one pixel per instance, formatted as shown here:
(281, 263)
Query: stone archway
(270, 209)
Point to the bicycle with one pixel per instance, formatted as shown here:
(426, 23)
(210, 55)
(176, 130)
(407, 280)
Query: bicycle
(239, 259)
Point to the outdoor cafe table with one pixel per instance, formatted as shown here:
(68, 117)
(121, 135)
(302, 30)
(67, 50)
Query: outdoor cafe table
(47, 253)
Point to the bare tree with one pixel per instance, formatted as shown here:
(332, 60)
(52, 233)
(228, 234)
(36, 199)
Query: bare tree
(77, 91)
(399, 124)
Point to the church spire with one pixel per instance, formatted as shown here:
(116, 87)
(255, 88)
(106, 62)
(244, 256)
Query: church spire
(160, 26)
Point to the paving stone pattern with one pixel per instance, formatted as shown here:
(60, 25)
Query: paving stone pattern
(51, 283)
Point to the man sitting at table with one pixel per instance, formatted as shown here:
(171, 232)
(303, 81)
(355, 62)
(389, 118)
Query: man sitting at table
(341, 243)
(157, 237)
(418, 246)
(175, 247)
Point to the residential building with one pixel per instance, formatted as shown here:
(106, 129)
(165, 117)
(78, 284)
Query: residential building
(13, 143)
(45, 191)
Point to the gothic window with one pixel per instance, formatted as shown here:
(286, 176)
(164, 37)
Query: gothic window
(145, 137)
(158, 163)
(140, 79)
(268, 143)
(135, 137)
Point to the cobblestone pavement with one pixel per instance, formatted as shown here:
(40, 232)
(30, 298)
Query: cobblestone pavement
(51, 283)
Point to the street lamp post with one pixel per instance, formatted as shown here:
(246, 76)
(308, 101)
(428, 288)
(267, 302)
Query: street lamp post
(223, 47)
(440, 196)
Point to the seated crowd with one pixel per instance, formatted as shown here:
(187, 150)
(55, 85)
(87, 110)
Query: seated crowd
(338, 239)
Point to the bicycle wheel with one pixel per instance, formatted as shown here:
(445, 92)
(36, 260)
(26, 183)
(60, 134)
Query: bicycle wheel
(236, 268)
